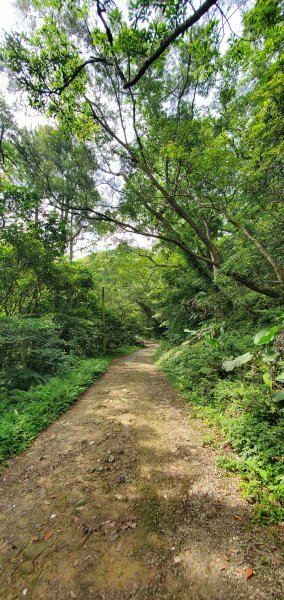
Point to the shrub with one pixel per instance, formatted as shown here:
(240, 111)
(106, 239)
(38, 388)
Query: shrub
(243, 406)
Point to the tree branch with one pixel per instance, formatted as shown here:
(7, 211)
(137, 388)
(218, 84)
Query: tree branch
(202, 10)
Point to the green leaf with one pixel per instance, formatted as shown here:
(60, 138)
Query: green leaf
(265, 336)
(267, 379)
(229, 365)
(212, 342)
(268, 358)
(279, 396)
(280, 378)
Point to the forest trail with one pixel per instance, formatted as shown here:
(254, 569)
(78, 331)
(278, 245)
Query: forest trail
(119, 499)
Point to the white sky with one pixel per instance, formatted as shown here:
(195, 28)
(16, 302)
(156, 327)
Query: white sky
(10, 20)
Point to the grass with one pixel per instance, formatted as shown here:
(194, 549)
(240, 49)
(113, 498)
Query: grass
(124, 350)
(30, 412)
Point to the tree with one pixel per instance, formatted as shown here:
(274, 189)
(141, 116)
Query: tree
(55, 169)
(179, 173)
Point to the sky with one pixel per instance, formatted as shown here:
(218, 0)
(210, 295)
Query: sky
(10, 20)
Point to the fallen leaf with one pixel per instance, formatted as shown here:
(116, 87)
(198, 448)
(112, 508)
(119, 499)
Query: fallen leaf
(3, 546)
(249, 573)
(48, 535)
(238, 517)
(224, 567)
(34, 538)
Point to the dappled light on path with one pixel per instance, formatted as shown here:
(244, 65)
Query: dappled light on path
(119, 499)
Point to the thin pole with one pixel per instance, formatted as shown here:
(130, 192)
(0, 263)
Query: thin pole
(104, 322)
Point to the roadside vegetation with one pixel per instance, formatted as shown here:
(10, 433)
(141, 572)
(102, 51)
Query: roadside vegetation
(164, 124)
(241, 397)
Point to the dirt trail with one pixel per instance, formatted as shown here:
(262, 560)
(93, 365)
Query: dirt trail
(118, 499)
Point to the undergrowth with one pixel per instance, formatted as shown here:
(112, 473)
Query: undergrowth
(242, 408)
(24, 413)
(125, 350)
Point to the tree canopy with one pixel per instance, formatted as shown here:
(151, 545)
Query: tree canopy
(132, 84)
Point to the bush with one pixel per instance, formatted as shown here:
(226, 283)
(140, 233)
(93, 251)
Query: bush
(30, 351)
(243, 408)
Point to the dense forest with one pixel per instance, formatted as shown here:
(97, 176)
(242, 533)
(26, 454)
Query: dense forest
(162, 141)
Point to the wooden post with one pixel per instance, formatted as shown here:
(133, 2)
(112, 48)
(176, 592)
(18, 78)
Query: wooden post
(104, 345)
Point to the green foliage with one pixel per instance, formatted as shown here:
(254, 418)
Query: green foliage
(244, 408)
(229, 365)
(25, 413)
(30, 351)
(206, 181)
(265, 336)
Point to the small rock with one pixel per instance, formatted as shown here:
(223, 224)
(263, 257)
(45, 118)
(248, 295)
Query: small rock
(177, 560)
(111, 458)
(25, 591)
(82, 502)
(35, 453)
(53, 516)
(113, 537)
(117, 451)
(73, 595)
(91, 444)
(32, 551)
(121, 479)
(75, 563)
(27, 567)
(121, 498)
(42, 493)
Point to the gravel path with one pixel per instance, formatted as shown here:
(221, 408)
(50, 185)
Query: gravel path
(118, 499)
